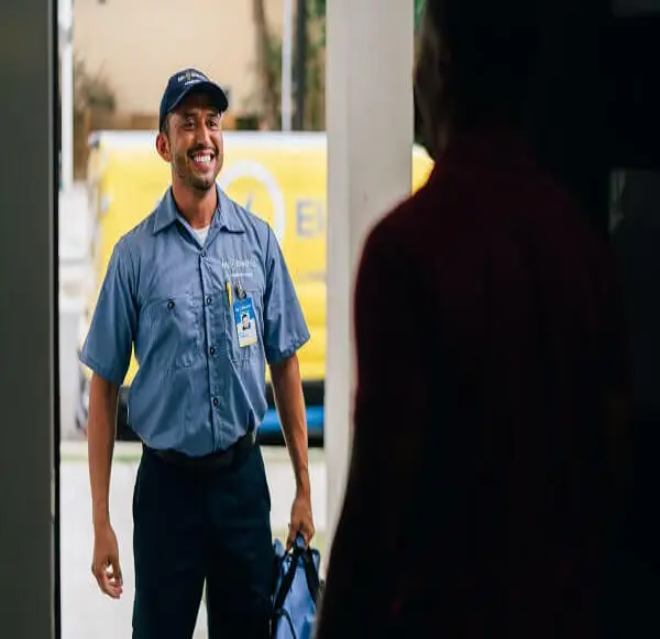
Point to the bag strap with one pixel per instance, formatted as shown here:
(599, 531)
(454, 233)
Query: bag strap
(299, 551)
(283, 614)
(287, 579)
(311, 573)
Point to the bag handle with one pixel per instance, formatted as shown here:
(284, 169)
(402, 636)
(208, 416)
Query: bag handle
(287, 579)
(283, 614)
(298, 551)
(311, 573)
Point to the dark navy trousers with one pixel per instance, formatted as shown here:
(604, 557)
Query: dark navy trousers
(191, 527)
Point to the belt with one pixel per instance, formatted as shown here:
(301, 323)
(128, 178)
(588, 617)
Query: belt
(214, 461)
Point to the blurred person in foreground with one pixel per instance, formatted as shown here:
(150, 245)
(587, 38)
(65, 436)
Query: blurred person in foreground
(483, 470)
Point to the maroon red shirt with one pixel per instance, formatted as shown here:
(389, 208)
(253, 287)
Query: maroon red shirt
(488, 335)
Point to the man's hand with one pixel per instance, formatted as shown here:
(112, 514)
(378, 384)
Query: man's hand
(291, 408)
(105, 564)
(302, 521)
(100, 442)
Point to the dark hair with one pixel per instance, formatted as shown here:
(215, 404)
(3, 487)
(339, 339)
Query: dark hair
(492, 47)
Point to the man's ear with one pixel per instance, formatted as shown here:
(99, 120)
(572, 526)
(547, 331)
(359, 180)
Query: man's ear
(163, 146)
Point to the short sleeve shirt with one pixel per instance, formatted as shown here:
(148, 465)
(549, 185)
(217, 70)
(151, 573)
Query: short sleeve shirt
(180, 306)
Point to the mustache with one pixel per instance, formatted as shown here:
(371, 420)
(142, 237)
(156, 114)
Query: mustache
(201, 149)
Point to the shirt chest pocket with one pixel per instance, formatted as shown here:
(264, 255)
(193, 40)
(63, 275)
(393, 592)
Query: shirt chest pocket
(173, 326)
(245, 325)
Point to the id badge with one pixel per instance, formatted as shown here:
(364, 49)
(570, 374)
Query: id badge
(246, 327)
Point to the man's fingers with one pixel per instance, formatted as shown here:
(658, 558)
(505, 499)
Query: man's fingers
(302, 528)
(116, 571)
(101, 579)
(108, 583)
(307, 531)
(292, 536)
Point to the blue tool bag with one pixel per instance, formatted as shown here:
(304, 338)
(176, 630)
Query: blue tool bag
(297, 590)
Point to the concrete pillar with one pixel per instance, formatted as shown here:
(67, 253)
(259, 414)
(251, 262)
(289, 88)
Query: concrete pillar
(370, 135)
(29, 500)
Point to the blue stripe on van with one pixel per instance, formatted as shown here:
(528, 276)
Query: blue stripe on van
(271, 421)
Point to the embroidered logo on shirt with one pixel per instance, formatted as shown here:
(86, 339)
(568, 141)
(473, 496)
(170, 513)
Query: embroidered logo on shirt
(240, 267)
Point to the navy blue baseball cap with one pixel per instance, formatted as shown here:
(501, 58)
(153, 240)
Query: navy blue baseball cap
(184, 83)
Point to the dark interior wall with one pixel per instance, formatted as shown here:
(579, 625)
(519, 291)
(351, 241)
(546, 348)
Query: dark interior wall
(568, 110)
(594, 106)
(28, 392)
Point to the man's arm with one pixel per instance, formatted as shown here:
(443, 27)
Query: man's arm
(290, 403)
(101, 431)
(285, 331)
(287, 389)
(107, 352)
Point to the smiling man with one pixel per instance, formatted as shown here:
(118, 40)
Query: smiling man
(177, 289)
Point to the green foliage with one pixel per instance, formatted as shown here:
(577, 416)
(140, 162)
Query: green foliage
(314, 117)
(316, 11)
(316, 8)
(419, 8)
(91, 90)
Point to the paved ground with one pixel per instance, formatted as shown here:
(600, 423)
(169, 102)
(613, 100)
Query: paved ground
(85, 612)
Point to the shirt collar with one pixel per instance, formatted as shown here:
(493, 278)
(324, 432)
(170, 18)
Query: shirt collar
(225, 218)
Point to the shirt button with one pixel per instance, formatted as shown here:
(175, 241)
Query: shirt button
(170, 304)
(215, 401)
(212, 350)
(209, 299)
(203, 253)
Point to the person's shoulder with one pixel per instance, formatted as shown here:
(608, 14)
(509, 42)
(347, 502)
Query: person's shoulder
(240, 218)
(581, 248)
(138, 235)
(568, 218)
(389, 246)
(399, 229)
(132, 243)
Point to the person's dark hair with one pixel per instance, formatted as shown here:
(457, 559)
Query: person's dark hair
(165, 128)
(492, 48)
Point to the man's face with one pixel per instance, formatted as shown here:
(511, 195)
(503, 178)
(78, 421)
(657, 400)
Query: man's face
(192, 143)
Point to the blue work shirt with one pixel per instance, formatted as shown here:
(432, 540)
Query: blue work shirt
(170, 298)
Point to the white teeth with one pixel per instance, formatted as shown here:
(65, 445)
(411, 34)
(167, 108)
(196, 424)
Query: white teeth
(202, 159)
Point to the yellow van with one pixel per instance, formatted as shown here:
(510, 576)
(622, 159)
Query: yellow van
(280, 177)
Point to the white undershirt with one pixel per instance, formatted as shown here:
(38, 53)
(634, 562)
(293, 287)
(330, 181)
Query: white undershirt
(201, 234)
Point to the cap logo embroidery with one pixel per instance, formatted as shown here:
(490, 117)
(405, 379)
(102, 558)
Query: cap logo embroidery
(190, 76)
